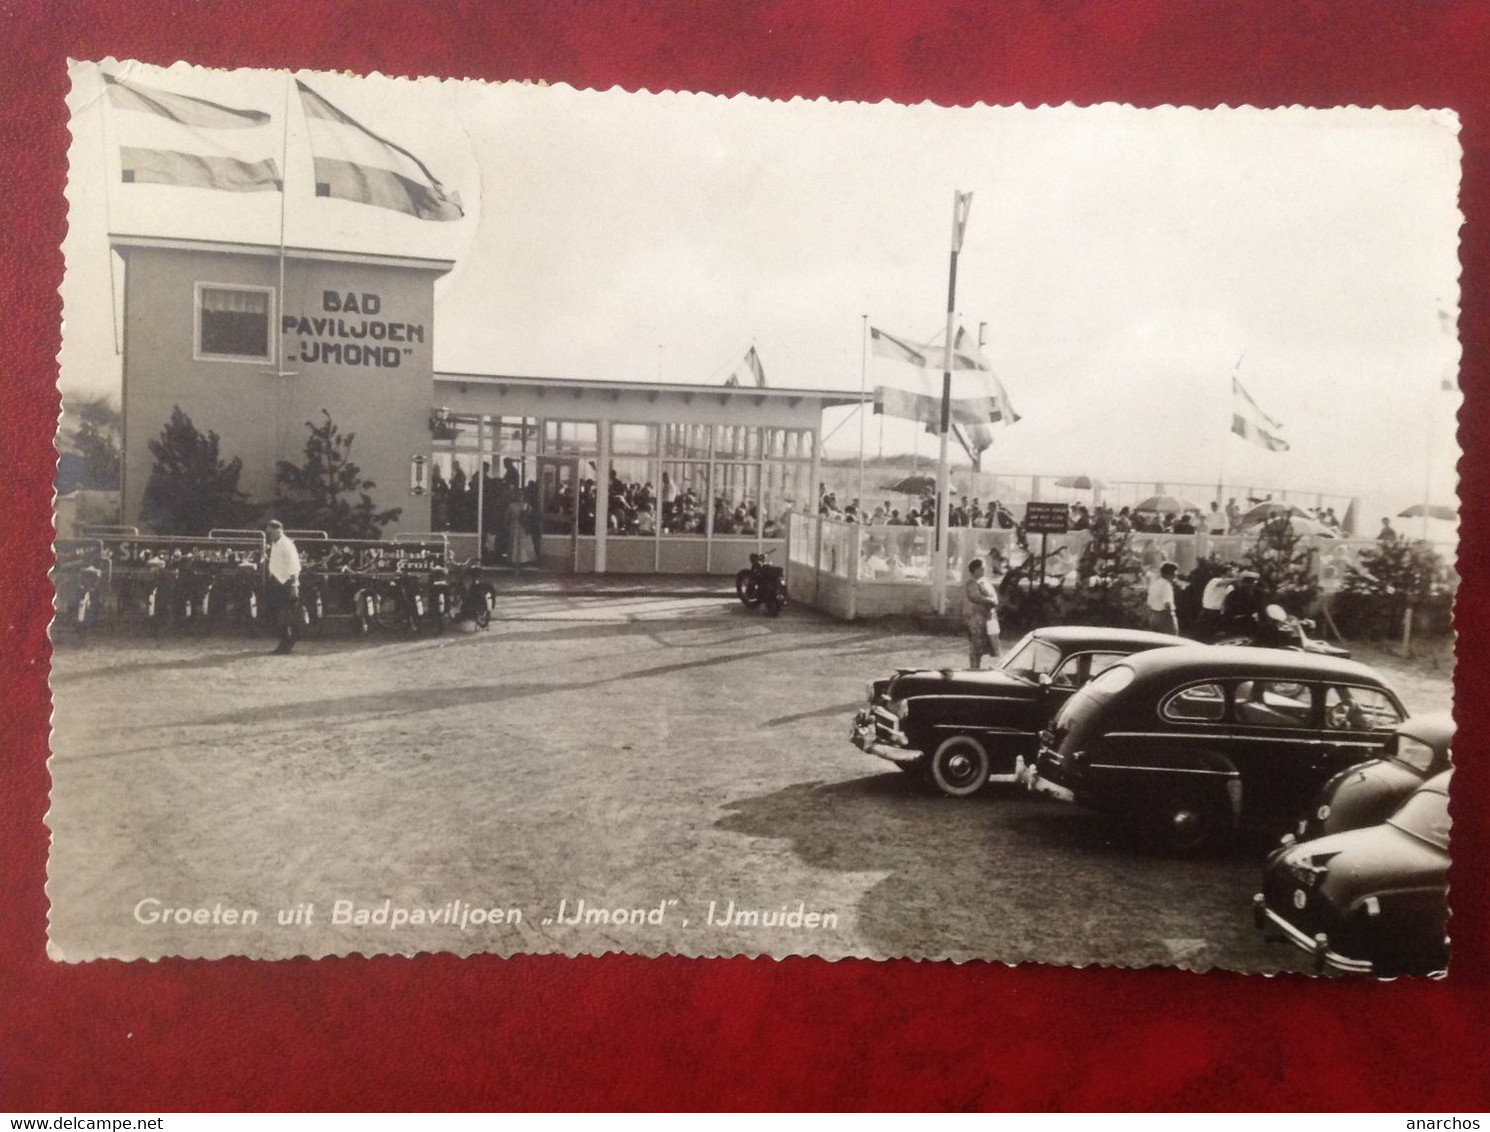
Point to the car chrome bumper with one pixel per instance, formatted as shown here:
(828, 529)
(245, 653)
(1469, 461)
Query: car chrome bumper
(1318, 946)
(882, 742)
(1027, 776)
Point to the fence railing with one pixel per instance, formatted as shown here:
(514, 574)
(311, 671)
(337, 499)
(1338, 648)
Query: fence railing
(849, 562)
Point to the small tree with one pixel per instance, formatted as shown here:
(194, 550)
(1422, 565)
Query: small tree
(1393, 576)
(191, 488)
(96, 440)
(1286, 574)
(327, 492)
(1109, 578)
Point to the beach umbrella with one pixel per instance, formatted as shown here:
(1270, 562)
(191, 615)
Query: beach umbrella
(1080, 483)
(1300, 525)
(1270, 510)
(917, 485)
(1430, 511)
(1166, 504)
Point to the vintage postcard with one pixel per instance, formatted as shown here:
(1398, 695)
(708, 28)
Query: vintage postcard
(506, 518)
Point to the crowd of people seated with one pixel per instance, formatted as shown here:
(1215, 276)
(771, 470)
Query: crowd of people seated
(995, 515)
(633, 509)
(638, 509)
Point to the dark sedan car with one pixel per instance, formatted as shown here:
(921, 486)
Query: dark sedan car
(1372, 900)
(961, 728)
(1193, 743)
(1367, 794)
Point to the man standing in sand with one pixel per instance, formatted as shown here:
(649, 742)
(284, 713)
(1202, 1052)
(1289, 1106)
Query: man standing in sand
(282, 593)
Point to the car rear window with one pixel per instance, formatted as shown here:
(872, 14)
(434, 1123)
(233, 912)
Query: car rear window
(1204, 703)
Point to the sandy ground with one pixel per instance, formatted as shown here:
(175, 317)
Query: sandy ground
(650, 754)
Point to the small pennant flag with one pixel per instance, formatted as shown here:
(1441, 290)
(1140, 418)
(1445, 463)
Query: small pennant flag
(1251, 423)
(174, 139)
(962, 204)
(353, 163)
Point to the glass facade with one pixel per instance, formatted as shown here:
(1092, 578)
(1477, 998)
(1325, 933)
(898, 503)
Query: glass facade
(669, 482)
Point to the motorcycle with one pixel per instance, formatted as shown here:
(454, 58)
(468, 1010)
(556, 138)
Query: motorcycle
(475, 600)
(1276, 628)
(762, 583)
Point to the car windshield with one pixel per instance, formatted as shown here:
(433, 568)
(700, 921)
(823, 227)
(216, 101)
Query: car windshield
(1102, 688)
(1425, 816)
(1032, 659)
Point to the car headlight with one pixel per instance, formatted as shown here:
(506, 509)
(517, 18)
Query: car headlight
(898, 708)
(869, 690)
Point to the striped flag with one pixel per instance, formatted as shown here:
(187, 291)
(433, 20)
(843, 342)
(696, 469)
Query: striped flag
(353, 163)
(978, 397)
(751, 366)
(174, 139)
(1251, 423)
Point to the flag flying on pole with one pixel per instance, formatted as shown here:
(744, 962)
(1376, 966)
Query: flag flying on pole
(174, 139)
(752, 367)
(353, 163)
(978, 397)
(961, 206)
(1251, 423)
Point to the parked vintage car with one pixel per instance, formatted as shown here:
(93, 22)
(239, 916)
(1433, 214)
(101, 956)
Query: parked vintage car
(1372, 900)
(959, 729)
(1193, 743)
(1368, 793)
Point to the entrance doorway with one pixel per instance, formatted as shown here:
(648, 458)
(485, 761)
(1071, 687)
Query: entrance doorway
(558, 512)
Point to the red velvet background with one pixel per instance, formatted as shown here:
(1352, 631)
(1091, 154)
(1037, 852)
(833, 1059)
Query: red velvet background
(438, 1032)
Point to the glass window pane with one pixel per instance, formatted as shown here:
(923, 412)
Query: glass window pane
(633, 440)
(1359, 709)
(737, 442)
(685, 494)
(234, 323)
(1204, 702)
(736, 500)
(785, 489)
(686, 440)
(579, 437)
(1273, 703)
(632, 501)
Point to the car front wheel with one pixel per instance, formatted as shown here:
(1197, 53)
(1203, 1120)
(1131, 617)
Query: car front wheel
(959, 767)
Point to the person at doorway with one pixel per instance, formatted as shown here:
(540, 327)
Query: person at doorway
(981, 604)
(519, 541)
(1162, 617)
(282, 588)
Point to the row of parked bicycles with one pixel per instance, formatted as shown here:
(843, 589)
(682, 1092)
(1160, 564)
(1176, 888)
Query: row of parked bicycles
(121, 579)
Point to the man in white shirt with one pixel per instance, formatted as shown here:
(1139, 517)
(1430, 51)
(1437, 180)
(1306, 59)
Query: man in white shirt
(282, 590)
(1217, 523)
(1213, 600)
(1162, 617)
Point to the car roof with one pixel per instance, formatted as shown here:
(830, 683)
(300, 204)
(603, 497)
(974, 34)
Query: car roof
(1436, 728)
(1102, 635)
(1221, 661)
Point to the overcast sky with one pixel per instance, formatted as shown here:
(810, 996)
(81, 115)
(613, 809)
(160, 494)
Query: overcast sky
(1124, 260)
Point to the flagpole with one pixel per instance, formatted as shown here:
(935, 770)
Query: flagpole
(960, 203)
(108, 220)
(863, 389)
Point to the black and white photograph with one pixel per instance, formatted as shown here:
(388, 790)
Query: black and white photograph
(510, 518)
